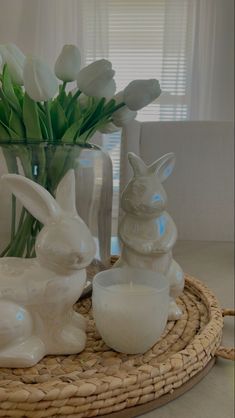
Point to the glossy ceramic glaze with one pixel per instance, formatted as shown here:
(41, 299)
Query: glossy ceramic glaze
(37, 295)
(147, 231)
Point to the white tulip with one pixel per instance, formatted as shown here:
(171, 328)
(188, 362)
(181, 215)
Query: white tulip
(139, 93)
(14, 58)
(39, 81)
(106, 90)
(123, 116)
(119, 97)
(109, 128)
(97, 79)
(83, 100)
(68, 63)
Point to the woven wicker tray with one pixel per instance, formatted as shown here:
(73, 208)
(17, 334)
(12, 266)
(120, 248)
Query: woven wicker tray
(100, 381)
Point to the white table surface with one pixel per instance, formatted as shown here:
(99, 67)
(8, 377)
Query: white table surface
(213, 397)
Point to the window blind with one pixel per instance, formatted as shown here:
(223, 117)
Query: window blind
(143, 39)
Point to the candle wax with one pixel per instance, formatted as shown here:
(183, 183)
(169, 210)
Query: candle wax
(129, 287)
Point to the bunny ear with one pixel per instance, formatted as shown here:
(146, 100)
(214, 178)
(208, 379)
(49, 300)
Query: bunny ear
(137, 164)
(37, 200)
(65, 193)
(163, 166)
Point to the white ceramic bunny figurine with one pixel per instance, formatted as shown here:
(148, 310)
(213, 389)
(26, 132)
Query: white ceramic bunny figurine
(147, 231)
(37, 295)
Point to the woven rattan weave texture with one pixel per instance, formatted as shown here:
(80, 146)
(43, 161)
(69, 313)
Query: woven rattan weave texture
(99, 381)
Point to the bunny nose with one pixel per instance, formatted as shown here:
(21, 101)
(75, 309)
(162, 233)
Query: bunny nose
(78, 258)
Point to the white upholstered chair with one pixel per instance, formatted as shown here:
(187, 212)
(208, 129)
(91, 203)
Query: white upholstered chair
(200, 190)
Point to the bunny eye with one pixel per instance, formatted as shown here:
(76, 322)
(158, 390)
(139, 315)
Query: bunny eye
(156, 198)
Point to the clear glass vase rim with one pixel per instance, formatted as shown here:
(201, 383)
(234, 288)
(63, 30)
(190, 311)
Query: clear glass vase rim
(38, 142)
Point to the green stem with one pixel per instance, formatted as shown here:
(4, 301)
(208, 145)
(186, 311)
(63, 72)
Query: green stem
(72, 101)
(122, 104)
(63, 87)
(47, 108)
(8, 102)
(22, 215)
(41, 107)
(92, 123)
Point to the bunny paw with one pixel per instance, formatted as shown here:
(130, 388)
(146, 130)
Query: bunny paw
(174, 311)
(70, 340)
(79, 321)
(25, 354)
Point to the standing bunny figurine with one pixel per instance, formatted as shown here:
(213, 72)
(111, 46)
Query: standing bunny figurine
(147, 231)
(37, 295)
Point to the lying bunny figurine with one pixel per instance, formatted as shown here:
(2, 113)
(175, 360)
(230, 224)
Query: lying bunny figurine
(37, 295)
(147, 231)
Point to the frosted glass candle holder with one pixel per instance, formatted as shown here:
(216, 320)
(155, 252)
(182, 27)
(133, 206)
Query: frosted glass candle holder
(130, 308)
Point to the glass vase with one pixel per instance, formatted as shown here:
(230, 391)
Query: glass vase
(47, 163)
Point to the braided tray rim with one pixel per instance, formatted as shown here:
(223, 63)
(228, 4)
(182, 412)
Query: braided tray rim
(119, 388)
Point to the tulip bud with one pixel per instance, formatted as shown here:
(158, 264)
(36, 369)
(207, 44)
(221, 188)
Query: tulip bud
(123, 116)
(97, 79)
(68, 63)
(39, 81)
(83, 101)
(109, 128)
(139, 93)
(14, 58)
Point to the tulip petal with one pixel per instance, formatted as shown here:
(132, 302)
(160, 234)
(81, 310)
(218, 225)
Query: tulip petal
(68, 63)
(14, 58)
(39, 81)
(109, 128)
(95, 79)
(31, 118)
(139, 93)
(123, 116)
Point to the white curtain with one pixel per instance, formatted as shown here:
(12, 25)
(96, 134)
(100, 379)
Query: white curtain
(195, 37)
(41, 27)
(212, 80)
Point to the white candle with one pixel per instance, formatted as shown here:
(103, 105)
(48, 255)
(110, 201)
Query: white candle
(130, 308)
(130, 287)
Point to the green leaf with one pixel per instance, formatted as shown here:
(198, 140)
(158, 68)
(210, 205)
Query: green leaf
(3, 132)
(64, 99)
(58, 119)
(3, 113)
(19, 94)
(44, 130)
(94, 117)
(8, 90)
(76, 113)
(12, 134)
(71, 132)
(16, 124)
(5, 105)
(31, 118)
